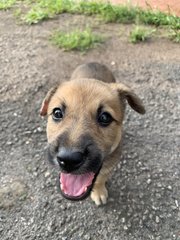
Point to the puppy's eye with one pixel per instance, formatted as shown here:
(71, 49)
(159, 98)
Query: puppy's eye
(57, 114)
(105, 119)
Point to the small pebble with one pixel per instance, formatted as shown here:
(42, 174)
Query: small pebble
(125, 227)
(157, 219)
(149, 181)
(177, 204)
(169, 188)
(39, 129)
(47, 174)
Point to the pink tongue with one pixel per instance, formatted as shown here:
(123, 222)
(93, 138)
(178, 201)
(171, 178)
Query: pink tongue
(75, 185)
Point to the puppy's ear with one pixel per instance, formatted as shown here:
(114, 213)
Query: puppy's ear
(126, 93)
(44, 106)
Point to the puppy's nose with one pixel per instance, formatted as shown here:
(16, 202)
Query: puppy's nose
(70, 160)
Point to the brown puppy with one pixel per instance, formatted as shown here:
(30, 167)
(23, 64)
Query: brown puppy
(84, 129)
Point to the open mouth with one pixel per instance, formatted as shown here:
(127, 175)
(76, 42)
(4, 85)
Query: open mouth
(76, 187)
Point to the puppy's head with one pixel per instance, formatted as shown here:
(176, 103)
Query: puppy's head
(84, 127)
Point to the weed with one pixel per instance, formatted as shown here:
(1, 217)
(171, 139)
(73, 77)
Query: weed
(175, 35)
(76, 40)
(139, 34)
(158, 18)
(5, 4)
(118, 14)
(34, 16)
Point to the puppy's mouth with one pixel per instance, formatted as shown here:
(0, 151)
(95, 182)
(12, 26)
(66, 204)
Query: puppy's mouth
(76, 187)
(76, 178)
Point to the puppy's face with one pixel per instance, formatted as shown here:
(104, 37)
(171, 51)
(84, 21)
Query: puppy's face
(84, 127)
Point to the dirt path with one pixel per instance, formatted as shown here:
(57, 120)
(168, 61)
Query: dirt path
(144, 192)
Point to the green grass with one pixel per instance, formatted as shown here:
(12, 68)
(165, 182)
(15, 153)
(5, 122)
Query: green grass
(140, 34)
(6, 4)
(76, 40)
(106, 11)
(45, 9)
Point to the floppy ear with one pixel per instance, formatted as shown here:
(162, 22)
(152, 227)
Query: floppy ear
(126, 93)
(44, 106)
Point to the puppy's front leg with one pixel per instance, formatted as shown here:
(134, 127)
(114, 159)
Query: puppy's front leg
(99, 192)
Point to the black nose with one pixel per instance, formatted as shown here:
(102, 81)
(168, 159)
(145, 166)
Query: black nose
(70, 160)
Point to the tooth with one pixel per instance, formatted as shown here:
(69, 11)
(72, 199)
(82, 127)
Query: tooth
(85, 189)
(62, 187)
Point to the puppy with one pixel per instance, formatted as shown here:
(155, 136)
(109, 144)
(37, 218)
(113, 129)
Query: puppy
(84, 129)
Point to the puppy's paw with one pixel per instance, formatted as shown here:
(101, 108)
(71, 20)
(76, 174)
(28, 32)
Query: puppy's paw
(99, 195)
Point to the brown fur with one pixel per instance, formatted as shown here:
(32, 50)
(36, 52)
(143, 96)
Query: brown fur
(91, 86)
(93, 70)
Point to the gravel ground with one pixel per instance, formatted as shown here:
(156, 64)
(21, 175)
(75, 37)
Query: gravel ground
(144, 202)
